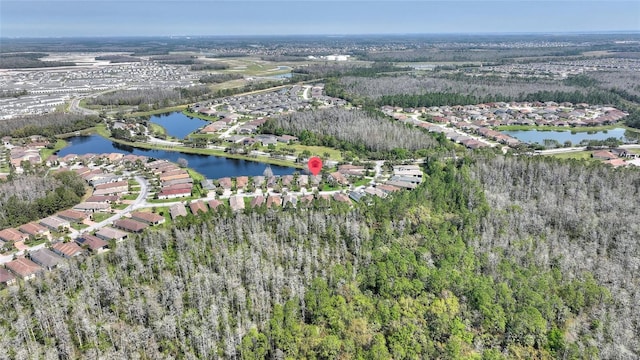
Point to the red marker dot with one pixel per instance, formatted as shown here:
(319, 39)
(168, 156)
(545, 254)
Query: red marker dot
(315, 165)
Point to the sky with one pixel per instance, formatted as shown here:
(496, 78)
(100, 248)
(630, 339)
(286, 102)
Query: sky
(64, 18)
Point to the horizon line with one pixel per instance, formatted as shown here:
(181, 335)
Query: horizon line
(573, 32)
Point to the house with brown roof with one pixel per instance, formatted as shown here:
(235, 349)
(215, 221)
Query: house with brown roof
(388, 188)
(45, 258)
(23, 268)
(12, 235)
(198, 206)
(34, 229)
(257, 201)
(148, 217)
(118, 185)
(68, 249)
(93, 243)
(225, 182)
(341, 198)
(54, 223)
(603, 155)
(274, 200)
(236, 203)
(174, 193)
(6, 278)
(110, 199)
(109, 233)
(338, 178)
(130, 225)
(306, 200)
(213, 204)
(72, 215)
(242, 182)
(177, 210)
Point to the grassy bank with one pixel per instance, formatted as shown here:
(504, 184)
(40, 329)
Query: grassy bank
(45, 153)
(158, 111)
(558, 128)
(157, 129)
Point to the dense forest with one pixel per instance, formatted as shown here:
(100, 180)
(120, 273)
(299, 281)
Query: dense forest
(476, 263)
(28, 60)
(219, 78)
(25, 198)
(157, 97)
(364, 133)
(46, 125)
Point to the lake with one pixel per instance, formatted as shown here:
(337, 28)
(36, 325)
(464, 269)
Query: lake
(212, 167)
(538, 136)
(178, 124)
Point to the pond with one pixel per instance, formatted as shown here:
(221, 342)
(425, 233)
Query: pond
(212, 167)
(178, 124)
(539, 136)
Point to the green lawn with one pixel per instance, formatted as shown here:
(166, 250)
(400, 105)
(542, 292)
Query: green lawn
(157, 129)
(79, 226)
(101, 216)
(119, 206)
(131, 196)
(196, 176)
(45, 153)
(573, 155)
(334, 154)
(360, 182)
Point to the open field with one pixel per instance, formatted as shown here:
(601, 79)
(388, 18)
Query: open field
(580, 155)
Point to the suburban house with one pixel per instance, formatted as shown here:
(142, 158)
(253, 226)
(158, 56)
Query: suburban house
(23, 268)
(103, 199)
(130, 225)
(174, 193)
(236, 203)
(72, 215)
(34, 229)
(93, 243)
(68, 249)
(213, 204)
(289, 200)
(6, 278)
(177, 210)
(12, 235)
(91, 207)
(242, 182)
(148, 217)
(274, 200)
(257, 201)
(45, 258)
(198, 206)
(108, 233)
(54, 223)
(341, 197)
(338, 178)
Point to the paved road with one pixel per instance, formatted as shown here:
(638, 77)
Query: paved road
(141, 199)
(76, 108)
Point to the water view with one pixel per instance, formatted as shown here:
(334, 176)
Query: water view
(178, 124)
(538, 136)
(212, 167)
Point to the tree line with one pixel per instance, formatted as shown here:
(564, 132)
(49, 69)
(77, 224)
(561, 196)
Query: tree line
(47, 125)
(31, 197)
